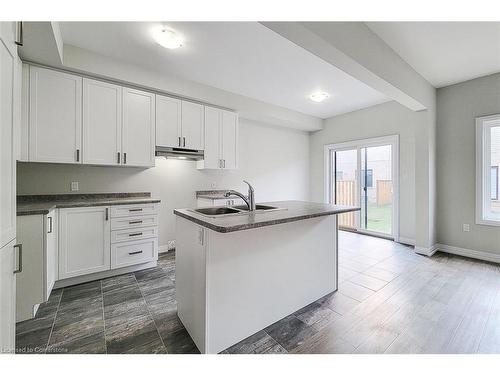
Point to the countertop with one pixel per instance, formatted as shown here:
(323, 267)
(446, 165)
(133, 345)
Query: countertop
(291, 211)
(42, 204)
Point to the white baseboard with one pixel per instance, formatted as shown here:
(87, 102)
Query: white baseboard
(406, 241)
(169, 246)
(482, 255)
(428, 251)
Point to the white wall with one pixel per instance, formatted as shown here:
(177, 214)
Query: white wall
(457, 107)
(274, 159)
(380, 120)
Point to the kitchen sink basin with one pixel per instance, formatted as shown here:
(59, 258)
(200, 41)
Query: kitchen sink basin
(258, 207)
(216, 211)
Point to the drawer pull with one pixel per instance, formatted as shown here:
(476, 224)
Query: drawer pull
(135, 234)
(134, 209)
(135, 222)
(135, 252)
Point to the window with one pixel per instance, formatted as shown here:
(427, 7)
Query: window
(487, 169)
(369, 178)
(339, 176)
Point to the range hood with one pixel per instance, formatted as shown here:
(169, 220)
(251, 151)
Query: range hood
(178, 153)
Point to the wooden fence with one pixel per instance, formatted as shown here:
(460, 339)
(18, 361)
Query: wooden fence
(346, 195)
(384, 192)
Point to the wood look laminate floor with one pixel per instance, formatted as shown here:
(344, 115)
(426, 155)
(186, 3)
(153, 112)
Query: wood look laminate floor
(390, 300)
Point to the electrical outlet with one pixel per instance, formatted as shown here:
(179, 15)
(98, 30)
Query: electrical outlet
(171, 245)
(74, 186)
(466, 227)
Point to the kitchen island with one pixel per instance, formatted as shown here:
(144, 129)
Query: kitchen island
(238, 272)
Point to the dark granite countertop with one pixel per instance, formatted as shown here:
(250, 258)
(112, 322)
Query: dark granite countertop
(290, 211)
(42, 204)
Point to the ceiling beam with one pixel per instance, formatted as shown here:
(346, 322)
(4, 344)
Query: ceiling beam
(356, 50)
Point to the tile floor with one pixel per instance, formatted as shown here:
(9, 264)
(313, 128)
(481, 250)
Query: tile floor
(390, 300)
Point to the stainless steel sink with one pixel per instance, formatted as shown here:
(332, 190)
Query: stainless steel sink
(216, 211)
(258, 207)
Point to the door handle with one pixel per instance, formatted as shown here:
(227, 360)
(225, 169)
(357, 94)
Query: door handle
(134, 209)
(20, 267)
(124, 158)
(135, 252)
(77, 155)
(107, 214)
(179, 141)
(135, 222)
(118, 158)
(50, 222)
(135, 234)
(224, 161)
(183, 141)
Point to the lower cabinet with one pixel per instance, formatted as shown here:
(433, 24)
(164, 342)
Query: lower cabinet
(128, 253)
(7, 298)
(84, 241)
(38, 234)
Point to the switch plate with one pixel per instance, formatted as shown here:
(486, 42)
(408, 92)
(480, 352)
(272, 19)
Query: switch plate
(466, 227)
(74, 186)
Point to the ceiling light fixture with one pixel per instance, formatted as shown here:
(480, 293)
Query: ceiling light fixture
(168, 38)
(319, 96)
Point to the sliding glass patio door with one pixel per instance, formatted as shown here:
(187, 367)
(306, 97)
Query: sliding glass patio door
(364, 173)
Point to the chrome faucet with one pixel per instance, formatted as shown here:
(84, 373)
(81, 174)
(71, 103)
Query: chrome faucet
(250, 200)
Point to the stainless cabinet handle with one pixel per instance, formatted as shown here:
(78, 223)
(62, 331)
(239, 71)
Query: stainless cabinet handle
(135, 234)
(135, 222)
(183, 141)
(50, 222)
(134, 209)
(20, 247)
(224, 161)
(220, 163)
(118, 158)
(124, 158)
(77, 155)
(19, 34)
(107, 214)
(135, 252)
(179, 141)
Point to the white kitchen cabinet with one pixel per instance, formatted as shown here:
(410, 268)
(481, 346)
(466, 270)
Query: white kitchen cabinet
(192, 125)
(168, 121)
(179, 123)
(138, 132)
(38, 234)
(84, 241)
(7, 298)
(221, 140)
(55, 116)
(102, 122)
(8, 65)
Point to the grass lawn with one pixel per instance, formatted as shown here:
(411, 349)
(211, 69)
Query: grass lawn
(379, 218)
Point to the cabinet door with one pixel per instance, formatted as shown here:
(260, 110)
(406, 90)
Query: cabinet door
(7, 149)
(192, 125)
(84, 241)
(51, 257)
(102, 122)
(55, 116)
(229, 126)
(168, 121)
(138, 128)
(212, 153)
(7, 298)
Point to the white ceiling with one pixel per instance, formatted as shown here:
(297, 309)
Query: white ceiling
(444, 53)
(245, 58)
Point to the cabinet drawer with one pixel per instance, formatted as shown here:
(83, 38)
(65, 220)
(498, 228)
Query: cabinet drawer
(134, 222)
(134, 210)
(133, 234)
(133, 252)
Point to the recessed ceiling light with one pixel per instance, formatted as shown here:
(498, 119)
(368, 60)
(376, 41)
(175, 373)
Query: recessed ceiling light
(319, 96)
(168, 38)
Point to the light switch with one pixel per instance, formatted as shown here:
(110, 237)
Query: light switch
(74, 186)
(466, 227)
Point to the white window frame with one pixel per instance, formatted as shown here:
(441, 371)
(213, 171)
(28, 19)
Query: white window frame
(484, 216)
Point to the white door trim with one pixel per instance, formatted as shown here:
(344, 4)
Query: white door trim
(393, 140)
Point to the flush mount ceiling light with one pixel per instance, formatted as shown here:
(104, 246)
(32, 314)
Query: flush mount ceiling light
(319, 96)
(168, 38)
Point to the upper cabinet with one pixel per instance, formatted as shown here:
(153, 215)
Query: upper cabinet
(221, 140)
(179, 123)
(55, 116)
(102, 122)
(138, 137)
